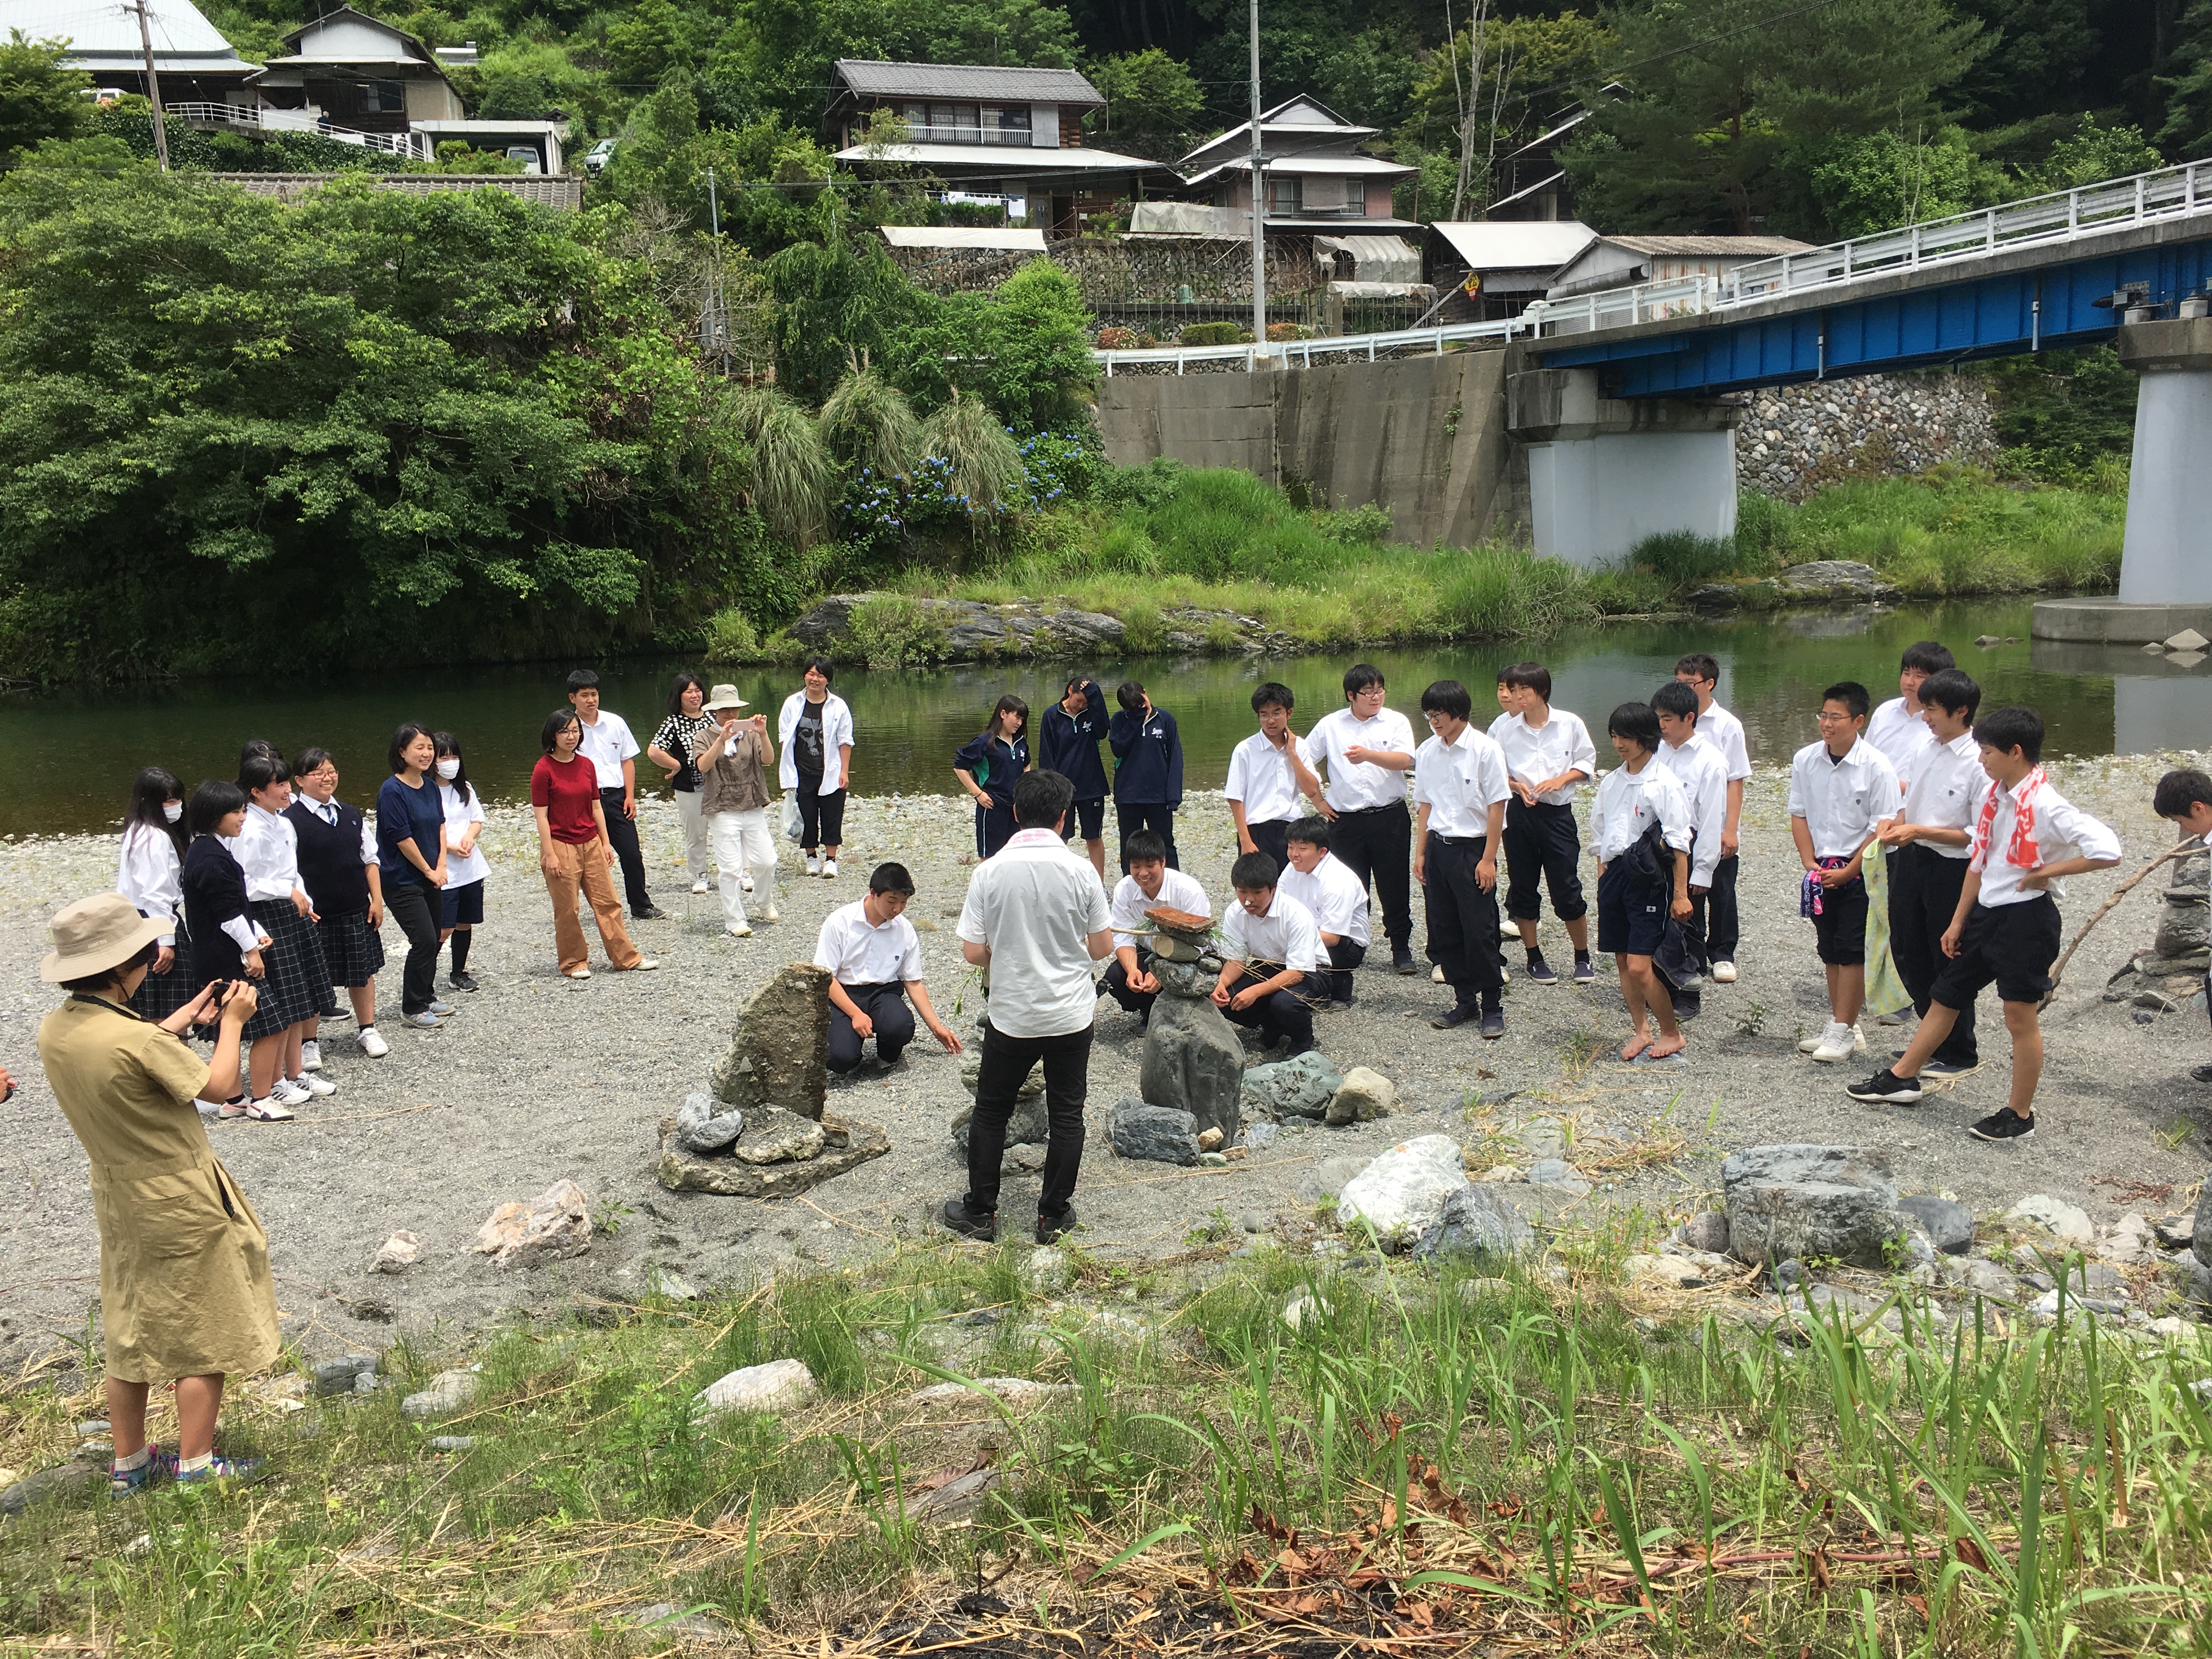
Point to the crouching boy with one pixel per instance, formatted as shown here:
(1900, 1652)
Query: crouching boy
(1272, 947)
(2183, 799)
(1640, 824)
(873, 957)
(1337, 900)
(1150, 885)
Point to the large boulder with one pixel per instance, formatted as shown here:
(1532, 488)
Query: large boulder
(1403, 1191)
(779, 1055)
(1803, 1200)
(1193, 1062)
(557, 1223)
(844, 1144)
(1291, 1088)
(1834, 579)
(1160, 1134)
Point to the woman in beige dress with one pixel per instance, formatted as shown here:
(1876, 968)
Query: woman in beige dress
(185, 1291)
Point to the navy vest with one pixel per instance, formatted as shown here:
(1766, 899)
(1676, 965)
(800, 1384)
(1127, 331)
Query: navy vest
(330, 860)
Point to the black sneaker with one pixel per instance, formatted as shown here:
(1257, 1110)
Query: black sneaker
(1452, 1018)
(1585, 974)
(462, 980)
(2201, 1074)
(1949, 1068)
(1688, 1005)
(2003, 1124)
(1540, 971)
(650, 913)
(955, 1215)
(1401, 960)
(1888, 1087)
(1493, 1023)
(1049, 1228)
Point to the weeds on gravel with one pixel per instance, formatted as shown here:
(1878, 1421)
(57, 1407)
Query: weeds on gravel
(1433, 1462)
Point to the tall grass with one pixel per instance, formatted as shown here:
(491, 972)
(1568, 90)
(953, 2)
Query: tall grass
(869, 425)
(789, 476)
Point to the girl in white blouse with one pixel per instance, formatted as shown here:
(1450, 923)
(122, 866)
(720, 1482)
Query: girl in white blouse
(150, 875)
(462, 900)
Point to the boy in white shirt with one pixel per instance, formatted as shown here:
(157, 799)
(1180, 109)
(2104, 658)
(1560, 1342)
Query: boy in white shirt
(1317, 879)
(2007, 927)
(1461, 786)
(1270, 773)
(1367, 750)
(2183, 799)
(1840, 788)
(1641, 886)
(1150, 885)
(1701, 673)
(1548, 756)
(1927, 844)
(1268, 930)
(606, 742)
(1697, 767)
(873, 957)
(1896, 728)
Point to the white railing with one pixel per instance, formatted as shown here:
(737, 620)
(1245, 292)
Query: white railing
(251, 117)
(1394, 343)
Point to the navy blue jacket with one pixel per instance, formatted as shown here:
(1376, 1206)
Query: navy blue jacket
(1147, 758)
(1068, 744)
(996, 765)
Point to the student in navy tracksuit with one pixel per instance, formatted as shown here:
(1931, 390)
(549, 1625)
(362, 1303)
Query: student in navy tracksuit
(988, 765)
(1148, 770)
(1068, 743)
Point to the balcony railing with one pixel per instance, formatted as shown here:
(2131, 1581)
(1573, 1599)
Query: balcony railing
(416, 146)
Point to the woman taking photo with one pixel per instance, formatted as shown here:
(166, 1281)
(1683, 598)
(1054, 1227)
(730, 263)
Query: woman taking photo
(461, 901)
(988, 765)
(573, 851)
(816, 731)
(151, 876)
(411, 858)
(675, 749)
(185, 1290)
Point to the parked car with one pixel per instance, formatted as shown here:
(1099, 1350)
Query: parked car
(597, 157)
(527, 154)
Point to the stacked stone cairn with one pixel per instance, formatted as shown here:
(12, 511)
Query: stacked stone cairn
(2169, 976)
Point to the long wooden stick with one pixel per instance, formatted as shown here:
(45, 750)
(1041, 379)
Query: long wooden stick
(2187, 848)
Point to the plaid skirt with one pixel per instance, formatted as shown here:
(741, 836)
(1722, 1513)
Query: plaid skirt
(160, 995)
(297, 983)
(354, 950)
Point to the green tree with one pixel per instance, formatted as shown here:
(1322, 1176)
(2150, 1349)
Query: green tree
(2187, 133)
(40, 98)
(2060, 412)
(1524, 63)
(2090, 153)
(1031, 354)
(791, 45)
(1152, 104)
(1880, 180)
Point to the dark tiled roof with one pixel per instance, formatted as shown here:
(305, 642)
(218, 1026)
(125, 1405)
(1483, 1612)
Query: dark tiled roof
(978, 80)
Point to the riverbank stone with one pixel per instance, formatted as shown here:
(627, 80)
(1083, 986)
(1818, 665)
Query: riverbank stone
(845, 1144)
(1402, 1192)
(1949, 1226)
(1801, 1200)
(1473, 1221)
(1161, 1134)
(1844, 579)
(780, 1385)
(1193, 1062)
(1302, 1087)
(1363, 1096)
(779, 1055)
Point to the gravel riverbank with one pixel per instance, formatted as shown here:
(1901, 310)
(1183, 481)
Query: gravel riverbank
(537, 1077)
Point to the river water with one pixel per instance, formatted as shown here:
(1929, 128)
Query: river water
(74, 752)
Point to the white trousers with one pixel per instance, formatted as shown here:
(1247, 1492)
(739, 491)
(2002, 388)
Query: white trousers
(698, 836)
(742, 842)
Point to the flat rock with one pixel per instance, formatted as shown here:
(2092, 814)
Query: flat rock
(772, 1135)
(666, 1281)
(1949, 1226)
(1258, 1137)
(1834, 579)
(958, 1499)
(779, 1055)
(1291, 1088)
(1401, 1192)
(1017, 1394)
(557, 1223)
(1159, 1133)
(449, 1392)
(1801, 1200)
(703, 1125)
(1363, 1096)
(2187, 639)
(1556, 1172)
(1707, 1231)
(73, 1481)
(2067, 1222)
(1193, 1061)
(1473, 1221)
(846, 1144)
(780, 1385)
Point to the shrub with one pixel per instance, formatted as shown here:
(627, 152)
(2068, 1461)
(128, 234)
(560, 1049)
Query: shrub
(790, 478)
(982, 465)
(1682, 558)
(869, 425)
(731, 637)
(891, 630)
(1210, 334)
(1114, 338)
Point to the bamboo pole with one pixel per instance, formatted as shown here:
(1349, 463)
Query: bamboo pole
(2187, 848)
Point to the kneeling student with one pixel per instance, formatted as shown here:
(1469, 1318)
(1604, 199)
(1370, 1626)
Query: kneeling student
(1460, 786)
(1640, 825)
(2006, 929)
(1150, 885)
(1270, 932)
(873, 958)
(1337, 901)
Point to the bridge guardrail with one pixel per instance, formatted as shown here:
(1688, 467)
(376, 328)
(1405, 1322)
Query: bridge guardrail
(1390, 343)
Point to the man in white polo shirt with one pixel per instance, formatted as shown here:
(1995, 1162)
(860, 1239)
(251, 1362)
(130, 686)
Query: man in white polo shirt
(1332, 895)
(1037, 919)
(1460, 786)
(1367, 750)
(873, 957)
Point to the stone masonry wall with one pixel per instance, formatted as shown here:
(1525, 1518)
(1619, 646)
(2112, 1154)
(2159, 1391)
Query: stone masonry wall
(1796, 439)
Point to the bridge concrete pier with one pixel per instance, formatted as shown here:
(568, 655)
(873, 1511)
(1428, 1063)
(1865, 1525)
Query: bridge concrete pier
(1606, 472)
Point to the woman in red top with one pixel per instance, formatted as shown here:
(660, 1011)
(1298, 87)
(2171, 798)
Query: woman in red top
(573, 851)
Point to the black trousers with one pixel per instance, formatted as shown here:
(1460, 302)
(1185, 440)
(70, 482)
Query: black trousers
(622, 836)
(1156, 816)
(1117, 984)
(885, 1006)
(1542, 841)
(994, 827)
(1006, 1063)
(1377, 845)
(1462, 919)
(1713, 915)
(1272, 838)
(1923, 896)
(1279, 1016)
(416, 908)
(1335, 981)
(821, 817)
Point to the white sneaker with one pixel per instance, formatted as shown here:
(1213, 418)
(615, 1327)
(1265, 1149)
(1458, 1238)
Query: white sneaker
(1838, 1043)
(1724, 973)
(769, 914)
(285, 1092)
(644, 965)
(739, 930)
(828, 866)
(1507, 931)
(699, 885)
(321, 1087)
(745, 882)
(814, 864)
(311, 1055)
(1437, 974)
(370, 1043)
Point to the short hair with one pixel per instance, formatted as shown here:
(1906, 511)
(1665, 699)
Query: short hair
(1274, 695)
(684, 680)
(1676, 698)
(2006, 729)
(212, 803)
(1853, 696)
(311, 760)
(396, 755)
(1636, 721)
(1313, 829)
(1448, 697)
(1130, 693)
(1505, 674)
(556, 723)
(820, 665)
(1254, 871)
(257, 746)
(259, 771)
(1928, 656)
(92, 984)
(582, 679)
(890, 878)
(1041, 799)
(1144, 847)
(1359, 677)
(1532, 675)
(1698, 666)
(1951, 690)
(2178, 791)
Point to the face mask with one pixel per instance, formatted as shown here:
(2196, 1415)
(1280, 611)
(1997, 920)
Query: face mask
(449, 769)
(173, 810)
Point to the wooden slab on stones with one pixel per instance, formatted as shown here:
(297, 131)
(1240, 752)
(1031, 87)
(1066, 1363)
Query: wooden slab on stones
(1179, 922)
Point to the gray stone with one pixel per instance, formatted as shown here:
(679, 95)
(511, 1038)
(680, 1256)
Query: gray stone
(1707, 1231)
(1401, 1193)
(2176, 1232)
(1258, 1137)
(1538, 1139)
(2047, 1304)
(1984, 1278)
(396, 1253)
(1834, 579)
(1161, 1133)
(958, 1499)
(1551, 1171)
(72, 1481)
(1363, 1096)
(1253, 1221)
(328, 1376)
(449, 1392)
(779, 1054)
(1473, 1221)
(666, 1281)
(1193, 1062)
(700, 1128)
(2067, 1222)
(1327, 1178)
(1291, 1088)
(451, 1443)
(1949, 1226)
(1800, 1199)
(367, 1382)
(1789, 1273)
(2200, 1233)
(772, 1135)
(846, 1144)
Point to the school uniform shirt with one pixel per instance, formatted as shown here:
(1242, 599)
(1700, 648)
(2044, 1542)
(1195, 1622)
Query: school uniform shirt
(1286, 935)
(267, 849)
(1697, 767)
(1262, 776)
(151, 875)
(1629, 803)
(836, 731)
(1036, 904)
(853, 950)
(1459, 781)
(1534, 753)
(1068, 743)
(1361, 786)
(459, 815)
(606, 744)
(1842, 800)
(1336, 898)
(1725, 732)
(334, 891)
(1946, 791)
(2060, 831)
(1177, 892)
(1898, 731)
(1148, 758)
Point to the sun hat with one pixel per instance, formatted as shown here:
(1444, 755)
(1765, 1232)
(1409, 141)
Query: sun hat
(726, 696)
(95, 934)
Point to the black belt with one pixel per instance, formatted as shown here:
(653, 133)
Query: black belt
(1459, 841)
(1362, 812)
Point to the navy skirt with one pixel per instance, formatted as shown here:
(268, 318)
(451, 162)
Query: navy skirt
(160, 995)
(297, 983)
(352, 952)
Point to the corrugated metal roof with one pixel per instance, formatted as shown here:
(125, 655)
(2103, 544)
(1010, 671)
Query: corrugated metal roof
(1351, 166)
(978, 80)
(1515, 243)
(1389, 259)
(107, 36)
(1710, 247)
(1024, 241)
(995, 158)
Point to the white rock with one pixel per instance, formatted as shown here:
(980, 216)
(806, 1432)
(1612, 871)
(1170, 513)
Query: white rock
(1679, 1272)
(449, 1392)
(2172, 1325)
(781, 1385)
(2187, 639)
(1303, 1309)
(402, 1250)
(1017, 1393)
(2064, 1222)
(1503, 1172)
(556, 1223)
(1404, 1190)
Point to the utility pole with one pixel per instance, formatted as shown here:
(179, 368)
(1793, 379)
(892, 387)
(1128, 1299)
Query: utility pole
(154, 86)
(1259, 198)
(722, 300)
